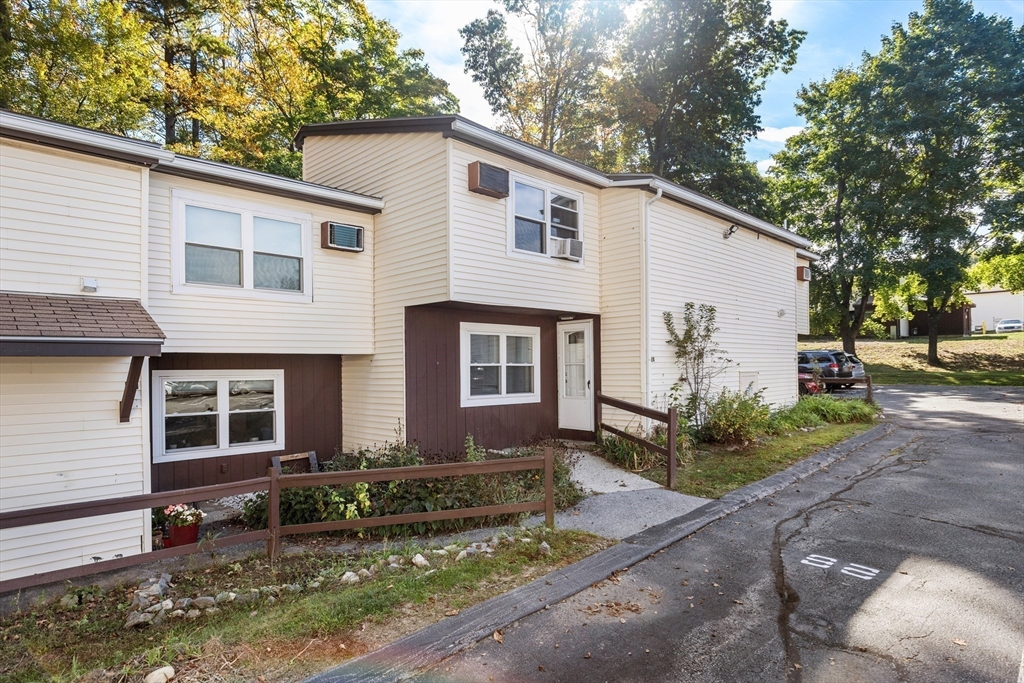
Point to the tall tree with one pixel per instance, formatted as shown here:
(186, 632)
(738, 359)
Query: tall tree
(947, 81)
(85, 63)
(700, 66)
(552, 96)
(838, 183)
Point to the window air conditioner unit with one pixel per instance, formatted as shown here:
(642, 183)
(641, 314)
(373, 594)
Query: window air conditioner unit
(568, 249)
(341, 237)
(803, 273)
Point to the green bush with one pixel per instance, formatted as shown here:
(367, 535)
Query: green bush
(736, 417)
(636, 458)
(874, 329)
(815, 411)
(378, 499)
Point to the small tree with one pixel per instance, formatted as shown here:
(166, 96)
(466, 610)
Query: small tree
(698, 356)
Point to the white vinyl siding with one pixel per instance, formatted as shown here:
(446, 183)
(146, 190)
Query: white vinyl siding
(803, 301)
(410, 267)
(67, 216)
(61, 442)
(485, 270)
(750, 281)
(338, 321)
(622, 352)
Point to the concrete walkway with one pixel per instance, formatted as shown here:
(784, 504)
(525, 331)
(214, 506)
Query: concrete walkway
(619, 503)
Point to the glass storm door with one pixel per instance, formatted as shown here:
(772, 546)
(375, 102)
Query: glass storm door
(576, 375)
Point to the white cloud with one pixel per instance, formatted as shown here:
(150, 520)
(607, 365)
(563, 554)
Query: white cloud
(778, 135)
(763, 166)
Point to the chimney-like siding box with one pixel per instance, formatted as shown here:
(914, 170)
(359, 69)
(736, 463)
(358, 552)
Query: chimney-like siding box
(488, 180)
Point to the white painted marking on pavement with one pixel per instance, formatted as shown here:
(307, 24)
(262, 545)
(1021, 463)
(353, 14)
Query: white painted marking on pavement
(819, 561)
(860, 571)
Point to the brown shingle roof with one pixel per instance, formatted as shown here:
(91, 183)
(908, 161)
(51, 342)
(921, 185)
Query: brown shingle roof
(45, 315)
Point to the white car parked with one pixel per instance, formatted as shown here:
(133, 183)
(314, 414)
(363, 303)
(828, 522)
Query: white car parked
(1009, 325)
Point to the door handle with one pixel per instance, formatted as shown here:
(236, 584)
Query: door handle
(588, 384)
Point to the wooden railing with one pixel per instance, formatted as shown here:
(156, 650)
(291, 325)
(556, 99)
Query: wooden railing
(866, 380)
(273, 484)
(670, 418)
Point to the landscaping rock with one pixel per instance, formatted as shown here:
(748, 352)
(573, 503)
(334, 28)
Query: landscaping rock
(451, 548)
(212, 610)
(364, 574)
(439, 553)
(224, 597)
(395, 559)
(245, 598)
(161, 675)
(204, 602)
(159, 618)
(192, 614)
(137, 620)
(314, 584)
(293, 588)
(182, 603)
(167, 604)
(545, 549)
(420, 561)
(271, 600)
(153, 609)
(461, 556)
(177, 614)
(350, 577)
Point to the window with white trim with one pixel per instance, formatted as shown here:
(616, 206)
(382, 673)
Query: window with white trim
(540, 214)
(201, 414)
(228, 248)
(500, 364)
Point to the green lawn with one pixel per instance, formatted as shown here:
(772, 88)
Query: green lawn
(716, 470)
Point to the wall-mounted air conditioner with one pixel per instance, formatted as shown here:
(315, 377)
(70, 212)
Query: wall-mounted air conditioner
(341, 237)
(803, 273)
(568, 249)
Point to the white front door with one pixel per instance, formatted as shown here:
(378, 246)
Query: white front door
(576, 375)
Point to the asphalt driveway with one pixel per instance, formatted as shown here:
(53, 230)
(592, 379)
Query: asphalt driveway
(903, 561)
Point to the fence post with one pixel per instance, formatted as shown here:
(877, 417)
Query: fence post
(871, 392)
(598, 417)
(549, 487)
(273, 513)
(673, 428)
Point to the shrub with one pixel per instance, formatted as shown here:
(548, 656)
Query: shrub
(636, 458)
(817, 410)
(874, 329)
(736, 416)
(377, 499)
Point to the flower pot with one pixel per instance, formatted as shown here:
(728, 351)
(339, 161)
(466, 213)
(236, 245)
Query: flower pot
(183, 535)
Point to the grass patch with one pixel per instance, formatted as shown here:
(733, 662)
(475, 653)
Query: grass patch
(717, 470)
(992, 360)
(282, 640)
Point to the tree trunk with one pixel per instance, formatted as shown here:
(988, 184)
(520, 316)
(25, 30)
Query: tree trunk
(170, 111)
(933, 335)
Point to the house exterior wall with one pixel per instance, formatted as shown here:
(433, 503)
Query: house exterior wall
(339, 319)
(749, 281)
(803, 301)
(622, 348)
(410, 170)
(485, 271)
(67, 216)
(312, 420)
(992, 306)
(62, 442)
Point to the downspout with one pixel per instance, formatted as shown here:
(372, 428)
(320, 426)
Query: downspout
(646, 294)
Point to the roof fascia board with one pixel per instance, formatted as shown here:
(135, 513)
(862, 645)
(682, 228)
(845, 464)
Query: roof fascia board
(810, 256)
(221, 174)
(428, 124)
(715, 208)
(79, 347)
(72, 138)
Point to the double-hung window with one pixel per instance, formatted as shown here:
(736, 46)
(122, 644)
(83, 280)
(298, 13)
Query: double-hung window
(541, 214)
(199, 414)
(228, 248)
(500, 364)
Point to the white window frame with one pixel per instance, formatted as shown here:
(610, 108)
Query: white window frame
(503, 331)
(160, 454)
(549, 189)
(248, 210)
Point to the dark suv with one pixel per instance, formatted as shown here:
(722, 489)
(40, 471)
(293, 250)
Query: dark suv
(827, 364)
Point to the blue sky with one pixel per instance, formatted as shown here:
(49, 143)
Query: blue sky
(838, 33)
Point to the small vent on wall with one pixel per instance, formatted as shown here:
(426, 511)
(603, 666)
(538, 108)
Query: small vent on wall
(803, 273)
(488, 180)
(341, 237)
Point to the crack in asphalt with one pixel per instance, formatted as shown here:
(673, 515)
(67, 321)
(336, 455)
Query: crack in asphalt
(789, 599)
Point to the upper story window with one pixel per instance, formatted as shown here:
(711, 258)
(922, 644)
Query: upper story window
(228, 248)
(541, 215)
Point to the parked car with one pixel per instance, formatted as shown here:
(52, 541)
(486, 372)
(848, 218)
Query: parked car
(858, 367)
(1009, 325)
(825, 364)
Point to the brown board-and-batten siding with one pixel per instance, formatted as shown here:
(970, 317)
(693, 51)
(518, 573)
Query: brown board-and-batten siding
(312, 405)
(436, 421)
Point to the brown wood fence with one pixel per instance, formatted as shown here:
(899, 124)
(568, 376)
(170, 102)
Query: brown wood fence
(866, 380)
(670, 418)
(273, 484)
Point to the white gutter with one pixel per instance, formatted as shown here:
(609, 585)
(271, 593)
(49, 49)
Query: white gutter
(809, 256)
(709, 205)
(41, 128)
(544, 159)
(189, 166)
(645, 234)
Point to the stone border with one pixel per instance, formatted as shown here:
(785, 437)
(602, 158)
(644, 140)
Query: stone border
(406, 657)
